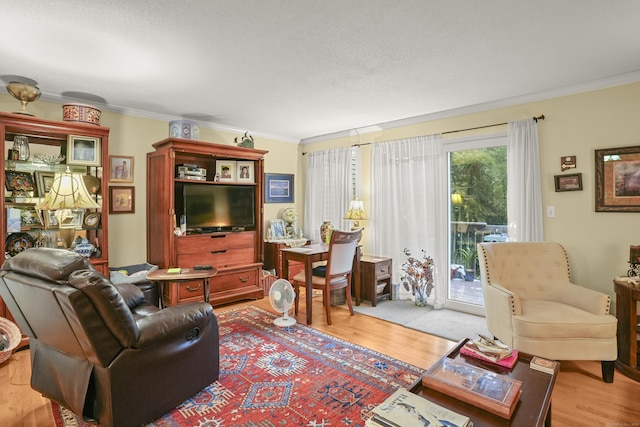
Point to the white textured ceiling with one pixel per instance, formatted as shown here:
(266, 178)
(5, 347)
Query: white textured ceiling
(298, 69)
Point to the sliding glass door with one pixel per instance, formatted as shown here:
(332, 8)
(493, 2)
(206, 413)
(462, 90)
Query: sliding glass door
(477, 212)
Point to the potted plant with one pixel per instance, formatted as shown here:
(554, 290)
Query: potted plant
(468, 258)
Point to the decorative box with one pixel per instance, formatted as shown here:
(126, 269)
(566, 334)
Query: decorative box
(81, 113)
(184, 129)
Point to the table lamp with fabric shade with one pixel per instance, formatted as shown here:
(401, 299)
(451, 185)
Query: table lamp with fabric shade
(356, 213)
(67, 192)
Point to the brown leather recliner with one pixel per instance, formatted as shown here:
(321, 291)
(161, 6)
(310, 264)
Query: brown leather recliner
(99, 349)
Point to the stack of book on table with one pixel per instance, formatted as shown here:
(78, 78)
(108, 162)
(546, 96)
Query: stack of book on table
(490, 350)
(498, 394)
(405, 409)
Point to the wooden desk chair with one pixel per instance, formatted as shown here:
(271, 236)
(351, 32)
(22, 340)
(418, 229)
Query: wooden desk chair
(342, 249)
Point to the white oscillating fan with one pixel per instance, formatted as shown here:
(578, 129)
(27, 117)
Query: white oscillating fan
(281, 296)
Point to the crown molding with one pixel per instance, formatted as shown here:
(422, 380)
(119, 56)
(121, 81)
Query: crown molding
(613, 81)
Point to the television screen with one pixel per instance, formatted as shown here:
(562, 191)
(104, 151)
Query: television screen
(217, 207)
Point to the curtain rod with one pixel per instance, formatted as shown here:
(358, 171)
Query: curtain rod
(540, 117)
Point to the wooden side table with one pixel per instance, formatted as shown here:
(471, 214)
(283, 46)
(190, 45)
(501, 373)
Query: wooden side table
(374, 271)
(161, 277)
(627, 301)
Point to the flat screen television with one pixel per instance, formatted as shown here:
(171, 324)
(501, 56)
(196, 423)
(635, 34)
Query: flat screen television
(212, 207)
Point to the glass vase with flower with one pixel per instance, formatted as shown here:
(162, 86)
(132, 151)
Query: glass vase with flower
(418, 277)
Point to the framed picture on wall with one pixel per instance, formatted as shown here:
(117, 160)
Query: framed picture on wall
(618, 179)
(572, 182)
(120, 169)
(278, 188)
(122, 200)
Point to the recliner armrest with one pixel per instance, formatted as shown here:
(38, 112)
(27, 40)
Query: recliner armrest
(583, 298)
(172, 321)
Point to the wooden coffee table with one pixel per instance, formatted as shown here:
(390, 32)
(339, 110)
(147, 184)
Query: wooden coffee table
(186, 275)
(534, 407)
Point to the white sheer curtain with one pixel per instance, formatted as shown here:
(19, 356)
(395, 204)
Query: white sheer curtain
(409, 205)
(328, 191)
(524, 195)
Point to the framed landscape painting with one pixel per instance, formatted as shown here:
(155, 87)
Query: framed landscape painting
(618, 179)
(278, 188)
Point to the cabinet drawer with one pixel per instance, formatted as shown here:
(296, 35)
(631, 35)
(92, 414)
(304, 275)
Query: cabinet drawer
(383, 269)
(215, 242)
(221, 258)
(235, 281)
(190, 290)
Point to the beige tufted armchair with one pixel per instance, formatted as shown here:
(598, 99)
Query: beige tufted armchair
(532, 306)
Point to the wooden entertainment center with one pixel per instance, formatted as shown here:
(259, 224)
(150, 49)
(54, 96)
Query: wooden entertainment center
(236, 252)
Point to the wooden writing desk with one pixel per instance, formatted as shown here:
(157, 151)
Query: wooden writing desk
(314, 253)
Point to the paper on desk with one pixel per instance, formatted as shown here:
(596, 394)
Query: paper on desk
(301, 250)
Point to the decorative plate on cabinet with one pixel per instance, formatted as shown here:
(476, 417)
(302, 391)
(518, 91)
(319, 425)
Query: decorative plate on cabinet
(18, 242)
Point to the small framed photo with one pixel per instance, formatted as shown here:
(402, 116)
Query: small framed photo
(277, 229)
(83, 150)
(572, 182)
(44, 181)
(77, 218)
(120, 168)
(74, 218)
(225, 170)
(25, 215)
(278, 188)
(50, 220)
(18, 181)
(91, 220)
(121, 200)
(245, 172)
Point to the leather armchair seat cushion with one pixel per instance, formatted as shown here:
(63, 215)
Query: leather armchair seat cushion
(552, 319)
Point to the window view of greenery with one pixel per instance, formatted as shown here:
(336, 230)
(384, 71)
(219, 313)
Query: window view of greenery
(478, 182)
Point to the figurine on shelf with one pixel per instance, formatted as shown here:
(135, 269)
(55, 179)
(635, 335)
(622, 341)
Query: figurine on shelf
(246, 141)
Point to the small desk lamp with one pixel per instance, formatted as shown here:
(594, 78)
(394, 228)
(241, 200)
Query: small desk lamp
(356, 213)
(67, 192)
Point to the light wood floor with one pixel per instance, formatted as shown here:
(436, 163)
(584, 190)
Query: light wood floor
(580, 398)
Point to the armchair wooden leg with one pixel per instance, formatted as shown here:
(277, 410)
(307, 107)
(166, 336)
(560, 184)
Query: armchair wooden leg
(608, 368)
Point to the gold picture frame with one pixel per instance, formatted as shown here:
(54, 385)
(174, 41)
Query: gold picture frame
(618, 179)
(120, 168)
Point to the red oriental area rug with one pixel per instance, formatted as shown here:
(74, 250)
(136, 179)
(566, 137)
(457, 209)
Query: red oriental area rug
(294, 376)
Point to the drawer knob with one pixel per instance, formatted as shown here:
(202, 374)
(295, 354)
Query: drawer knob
(189, 288)
(219, 252)
(244, 279)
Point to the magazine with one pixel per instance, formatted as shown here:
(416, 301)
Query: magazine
(406, 409)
